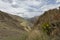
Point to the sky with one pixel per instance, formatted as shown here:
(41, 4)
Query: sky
(28, 8)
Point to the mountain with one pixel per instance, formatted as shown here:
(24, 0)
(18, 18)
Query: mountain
(49, 23)
(46, 26)
(33, 19)
(12, 27)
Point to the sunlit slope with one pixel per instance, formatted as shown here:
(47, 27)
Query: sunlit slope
(12, 27)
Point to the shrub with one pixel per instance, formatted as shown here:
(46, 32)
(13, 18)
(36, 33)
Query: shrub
(46, 28)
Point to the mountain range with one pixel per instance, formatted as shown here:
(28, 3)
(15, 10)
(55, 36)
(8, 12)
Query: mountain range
(43, 27)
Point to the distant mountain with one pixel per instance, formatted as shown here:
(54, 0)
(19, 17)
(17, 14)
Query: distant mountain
(33, 19)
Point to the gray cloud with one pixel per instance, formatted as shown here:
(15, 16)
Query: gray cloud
(15, 6)
(26, 8)
(9, 1)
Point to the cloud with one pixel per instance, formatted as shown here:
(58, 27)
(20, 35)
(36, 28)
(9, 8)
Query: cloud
(28, 8)
(57, 0)
(9, 1)
(48, 7)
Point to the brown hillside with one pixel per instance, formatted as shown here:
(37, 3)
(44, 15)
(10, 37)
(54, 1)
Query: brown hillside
(11, 28)
(49, 22)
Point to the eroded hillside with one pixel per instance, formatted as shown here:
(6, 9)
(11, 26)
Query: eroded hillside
(49, 23)
(12, 27)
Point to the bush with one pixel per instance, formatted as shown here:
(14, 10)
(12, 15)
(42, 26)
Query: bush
(46, 28)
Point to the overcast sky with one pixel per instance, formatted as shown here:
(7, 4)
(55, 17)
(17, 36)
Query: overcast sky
(28, 8)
